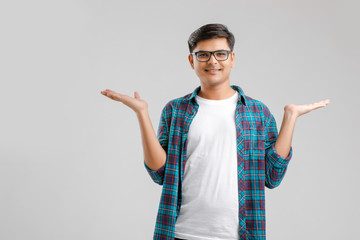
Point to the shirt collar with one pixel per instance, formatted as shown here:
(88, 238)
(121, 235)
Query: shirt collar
(235, 87)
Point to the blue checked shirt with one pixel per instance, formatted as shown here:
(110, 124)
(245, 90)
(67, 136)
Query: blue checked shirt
(258, 164)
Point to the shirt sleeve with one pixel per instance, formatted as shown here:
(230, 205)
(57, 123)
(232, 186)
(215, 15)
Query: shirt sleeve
(275, 165)
(163, 136)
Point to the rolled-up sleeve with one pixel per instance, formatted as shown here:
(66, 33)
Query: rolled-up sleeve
(275, 165)
(275, 159)
(163, 136)
(156, 175)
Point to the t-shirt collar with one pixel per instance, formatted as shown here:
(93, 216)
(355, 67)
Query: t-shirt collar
(235, 87)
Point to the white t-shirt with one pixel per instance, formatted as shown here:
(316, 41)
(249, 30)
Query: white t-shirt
(210, 208)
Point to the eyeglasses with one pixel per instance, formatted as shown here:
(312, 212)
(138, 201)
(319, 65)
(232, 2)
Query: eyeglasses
(204, 56)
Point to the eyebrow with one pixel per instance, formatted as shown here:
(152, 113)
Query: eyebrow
(214, 51)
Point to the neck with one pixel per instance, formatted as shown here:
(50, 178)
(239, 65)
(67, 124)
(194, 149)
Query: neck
(217, 92)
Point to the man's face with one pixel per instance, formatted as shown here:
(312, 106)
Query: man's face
(212, 72)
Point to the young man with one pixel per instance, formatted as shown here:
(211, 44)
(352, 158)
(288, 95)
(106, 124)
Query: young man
(216, 149)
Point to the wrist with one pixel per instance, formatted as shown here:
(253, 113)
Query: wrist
(290, 111)
(142, 113)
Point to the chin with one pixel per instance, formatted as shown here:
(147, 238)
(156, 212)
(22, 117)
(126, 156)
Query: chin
(212, 81)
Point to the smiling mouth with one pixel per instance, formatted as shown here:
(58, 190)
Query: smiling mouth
(207, 70)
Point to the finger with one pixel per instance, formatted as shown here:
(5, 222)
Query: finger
(105, 91)
(323, 103)
(326, 101)
(136, 95)
(317, 105)
(113, 95)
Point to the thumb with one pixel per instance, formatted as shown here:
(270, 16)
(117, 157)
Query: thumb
(136, 95)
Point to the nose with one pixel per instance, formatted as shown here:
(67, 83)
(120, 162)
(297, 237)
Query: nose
(212, 58)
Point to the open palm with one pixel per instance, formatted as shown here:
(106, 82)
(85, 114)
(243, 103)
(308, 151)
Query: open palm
(135, 103)
(299, 110)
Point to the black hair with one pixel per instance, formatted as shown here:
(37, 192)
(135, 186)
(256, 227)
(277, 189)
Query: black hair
(211, 31)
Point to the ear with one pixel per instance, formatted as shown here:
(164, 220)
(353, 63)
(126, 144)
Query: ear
(232, 59)
(191, 60)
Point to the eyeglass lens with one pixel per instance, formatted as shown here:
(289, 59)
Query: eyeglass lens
(219, 55)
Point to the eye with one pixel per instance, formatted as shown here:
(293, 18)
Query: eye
(221, 54)
(203, 55)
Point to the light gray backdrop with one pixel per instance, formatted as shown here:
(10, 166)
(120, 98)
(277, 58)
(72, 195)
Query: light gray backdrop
(71, 160)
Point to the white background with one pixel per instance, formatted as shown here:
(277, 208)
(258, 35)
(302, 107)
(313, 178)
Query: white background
(71, 160)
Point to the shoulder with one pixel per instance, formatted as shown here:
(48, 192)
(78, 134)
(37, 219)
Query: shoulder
(258, 107)
(254, 104)
(177, 103)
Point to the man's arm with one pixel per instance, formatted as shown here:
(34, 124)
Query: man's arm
(283, 142)
(155, 165)
(154, 151)
(291, 113)
(275, 164)
(154, 154)
(278, 154)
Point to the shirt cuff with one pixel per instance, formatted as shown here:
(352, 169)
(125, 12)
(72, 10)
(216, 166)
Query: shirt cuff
(156, 175)
(277, 160)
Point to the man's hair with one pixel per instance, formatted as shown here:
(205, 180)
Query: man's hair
(211, 31)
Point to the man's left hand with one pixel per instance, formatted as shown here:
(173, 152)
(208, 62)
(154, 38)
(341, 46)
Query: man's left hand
(298, 110)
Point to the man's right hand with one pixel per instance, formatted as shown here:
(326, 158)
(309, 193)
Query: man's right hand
(135, 103)
(154, 154)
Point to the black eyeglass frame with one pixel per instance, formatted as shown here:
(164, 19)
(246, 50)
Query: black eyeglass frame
(212, 53)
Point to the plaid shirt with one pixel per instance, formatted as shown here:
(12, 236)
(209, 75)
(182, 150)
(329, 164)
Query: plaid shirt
(258, 164)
